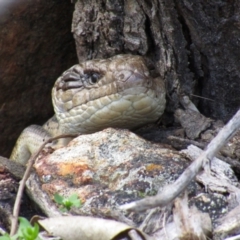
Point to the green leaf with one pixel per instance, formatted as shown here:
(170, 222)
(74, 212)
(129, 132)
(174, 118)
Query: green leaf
(76, 202)
(26, 231)
(24, 223)
(67, 203)
(58, 198)
(31, 233)
(5, 237)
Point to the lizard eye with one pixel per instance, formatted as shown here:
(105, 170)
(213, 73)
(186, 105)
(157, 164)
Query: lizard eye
(92, 77)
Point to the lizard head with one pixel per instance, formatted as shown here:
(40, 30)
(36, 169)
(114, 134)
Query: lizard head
(114, 92)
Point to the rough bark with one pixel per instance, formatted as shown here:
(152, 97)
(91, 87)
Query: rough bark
(193, 44)
(212, 32)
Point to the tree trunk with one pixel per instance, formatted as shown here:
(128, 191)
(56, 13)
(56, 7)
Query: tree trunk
(192, 44)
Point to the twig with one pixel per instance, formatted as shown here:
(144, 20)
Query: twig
(202, 97)
(170, 192)
(233, 237)
(16, 208)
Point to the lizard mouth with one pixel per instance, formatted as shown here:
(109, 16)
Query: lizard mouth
(74, 79)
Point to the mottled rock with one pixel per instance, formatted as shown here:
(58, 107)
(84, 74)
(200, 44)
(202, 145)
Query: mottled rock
(107, 169)
(36, 46)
